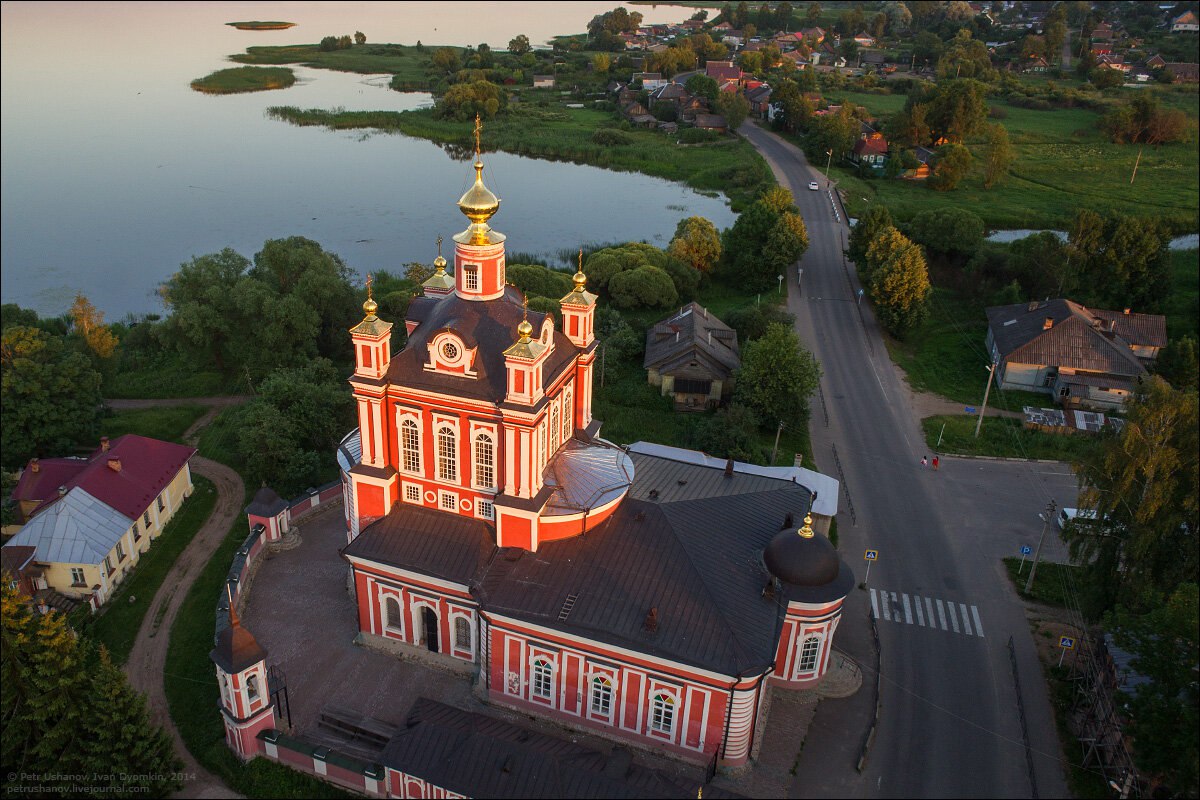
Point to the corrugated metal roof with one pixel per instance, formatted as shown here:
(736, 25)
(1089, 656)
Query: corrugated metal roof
(77, 529)
(448, 546)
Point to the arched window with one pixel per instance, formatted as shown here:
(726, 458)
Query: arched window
(225, 690)
(543, 679)
(568, 420)
(542, 442)
(410, 445)
(391, 615)
(252, 688)
(462, 633)
(662, 713)
(555, 430)
(485, 461)
(601, 696)
(809, 653)
(447, 454)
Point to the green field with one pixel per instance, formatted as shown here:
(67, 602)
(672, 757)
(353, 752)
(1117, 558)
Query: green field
(1183, 302)
(245, 79)
(167, 424)
(1002, 437)
(406, 64)
(1063, 164)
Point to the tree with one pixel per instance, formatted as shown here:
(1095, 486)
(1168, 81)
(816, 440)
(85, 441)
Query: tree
(1141, 483)
(602, 265)
(1106, 78)
(50, 396)
(696, 243)
(702, 86)
(1000, 155)
(734, 107)
(898, 17)
(949, 231)
(601, 63)
(869, 227)
(953, 164)
(68, 711)
(956, 109)
(1178, 364)
(1163, 717)
(1042, 265)
(765, 240)
(777, 377)
(732, 432)
(360, 38)
(89, 324)
(898, 281)
(752, 321)
(463, 101)
(446, 61)
(519, 45)
(1135, 264)
(813, 14)
(646, 286)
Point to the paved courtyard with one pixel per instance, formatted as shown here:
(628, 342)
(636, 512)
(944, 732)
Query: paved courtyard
(301, 609)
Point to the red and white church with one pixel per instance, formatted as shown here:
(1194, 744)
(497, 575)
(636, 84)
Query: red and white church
(622, 591)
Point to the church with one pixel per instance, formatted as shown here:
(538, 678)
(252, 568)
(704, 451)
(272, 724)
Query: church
(649, 598)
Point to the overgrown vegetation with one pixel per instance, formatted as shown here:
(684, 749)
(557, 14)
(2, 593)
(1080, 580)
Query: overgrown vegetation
(245, 79)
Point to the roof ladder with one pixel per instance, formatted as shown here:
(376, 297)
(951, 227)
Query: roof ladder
(567, 605)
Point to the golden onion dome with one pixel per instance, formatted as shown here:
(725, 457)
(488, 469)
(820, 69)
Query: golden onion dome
(580, 281)
(478, 203)
(525, 330)
(439, 264)
(370, 307)
(807, 531)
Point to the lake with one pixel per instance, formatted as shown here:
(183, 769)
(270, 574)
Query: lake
(113, 172)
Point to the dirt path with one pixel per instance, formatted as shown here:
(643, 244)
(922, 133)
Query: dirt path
(147, 660)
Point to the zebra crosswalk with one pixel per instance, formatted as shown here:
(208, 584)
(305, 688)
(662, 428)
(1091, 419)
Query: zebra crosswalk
(926, 612)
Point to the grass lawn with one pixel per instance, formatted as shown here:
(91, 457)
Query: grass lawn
(1003, 437)
(1063, 163)
(165, 377)
(1053, 581)
(117, 625)
(168, 424)
(541, 127)
(880, 105)
(407, 64)
(245, 79)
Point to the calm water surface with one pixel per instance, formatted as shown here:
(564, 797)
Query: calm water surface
(114, 172)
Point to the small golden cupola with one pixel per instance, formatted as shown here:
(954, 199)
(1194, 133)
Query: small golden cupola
(579, 311)
(439, 284)
(525, 347)
(372, 340)
(478, 203)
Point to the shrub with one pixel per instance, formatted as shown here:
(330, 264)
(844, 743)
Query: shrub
(608, 137)
(696, 136)
(646, 286)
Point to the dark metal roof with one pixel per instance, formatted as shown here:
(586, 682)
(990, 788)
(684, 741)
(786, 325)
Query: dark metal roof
(266, 503)
(478, 756)
(692, 333)
(1076, 338)
(447, 546)
(489, 325)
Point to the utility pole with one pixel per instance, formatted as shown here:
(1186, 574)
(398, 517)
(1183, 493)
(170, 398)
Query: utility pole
(982, 411)
(775, 449)
(1135, 166)
(1037, 554)
(828, 163)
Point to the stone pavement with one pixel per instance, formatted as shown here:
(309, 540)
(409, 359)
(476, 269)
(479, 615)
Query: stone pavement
(301, 609)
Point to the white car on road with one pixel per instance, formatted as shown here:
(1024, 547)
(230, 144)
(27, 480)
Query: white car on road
(813, 185)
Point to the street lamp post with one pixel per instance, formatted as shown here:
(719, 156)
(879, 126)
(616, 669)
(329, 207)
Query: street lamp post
(1037, 554)
(828, 162)
(991, 371)
(780, 289)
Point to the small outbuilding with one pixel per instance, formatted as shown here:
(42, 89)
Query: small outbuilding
(692, 356)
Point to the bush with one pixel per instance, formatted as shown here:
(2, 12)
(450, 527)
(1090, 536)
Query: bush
(697, 136)
(646, 286)
(539, 281)
(608, 137)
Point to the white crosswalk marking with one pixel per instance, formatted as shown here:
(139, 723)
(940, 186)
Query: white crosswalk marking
(886, 605)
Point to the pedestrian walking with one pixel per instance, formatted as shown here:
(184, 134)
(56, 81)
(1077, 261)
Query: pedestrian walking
(935, 462)
(924, 461)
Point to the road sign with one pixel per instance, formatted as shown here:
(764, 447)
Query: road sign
(871, 555)
(1026, 549)
(1066, 642)
(969, 409)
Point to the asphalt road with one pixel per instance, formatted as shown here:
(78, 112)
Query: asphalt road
(949, 724)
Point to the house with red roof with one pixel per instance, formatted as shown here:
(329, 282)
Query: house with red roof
(871, 148)
(89, 520)
(722, 71)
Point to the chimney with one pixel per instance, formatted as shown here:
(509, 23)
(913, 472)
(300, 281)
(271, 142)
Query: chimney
(62, 491)
(788, 521)
(1033, 305)
(729, 468)
(34, 467)
(1048, 324)
(706, 313)
(103, 444)
(651, 623)
(677, 336)
(710, 338)
(1127, 312)
(114, 464)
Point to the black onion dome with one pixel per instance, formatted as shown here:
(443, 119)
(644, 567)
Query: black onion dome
(802, 561)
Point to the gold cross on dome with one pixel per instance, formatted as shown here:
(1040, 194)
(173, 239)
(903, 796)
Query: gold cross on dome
(370, 278)
(478, 130)
(439, 243)
(581, 259)
(525, 307)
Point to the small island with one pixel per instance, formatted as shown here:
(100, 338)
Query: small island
(245, 79)
(261, 26)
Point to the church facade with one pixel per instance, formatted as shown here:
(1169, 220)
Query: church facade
(639, 597)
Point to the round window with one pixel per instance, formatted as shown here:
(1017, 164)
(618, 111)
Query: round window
(450, 351)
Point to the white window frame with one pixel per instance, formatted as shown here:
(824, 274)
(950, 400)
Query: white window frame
(78, 578)
(413, 488)
(405, 450)
(384, 599)
(810, 655)
(485, 509)
(541, 672)
(568, 418)
(602, 689)
(471, 277)
(469, 647)
(252, 691)
(663, 705)
(447, 501)
(447, 459)
(146, 518)
(479, 464)
(555, 428)
(120, 551)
